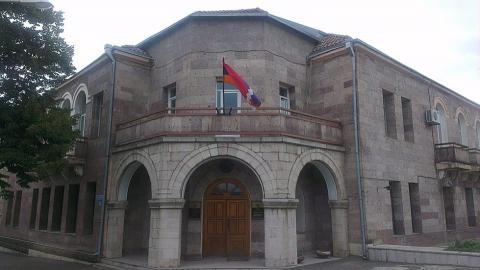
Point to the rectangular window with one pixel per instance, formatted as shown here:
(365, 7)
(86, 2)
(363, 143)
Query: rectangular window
(44, 208)
(407, 119)
(89, 208)
(449, 208)
(472, 221)
(57, 208)
(171, 97)
(284, 98)
(397, 207)
(415, 207)
(389, 114)
(8, 217)
(97, 114)
(287, 96)
(16, 209)
(33, 210)
(72, 208)
(232, 97)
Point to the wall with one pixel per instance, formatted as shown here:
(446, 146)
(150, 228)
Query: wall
(395, 159)
(191, 57)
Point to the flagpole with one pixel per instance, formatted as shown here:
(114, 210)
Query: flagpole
(223, 84)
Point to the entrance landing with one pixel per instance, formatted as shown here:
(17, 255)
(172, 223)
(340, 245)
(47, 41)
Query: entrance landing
(139, 262)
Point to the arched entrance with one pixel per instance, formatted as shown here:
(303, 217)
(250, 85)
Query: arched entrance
(226, 220)
(314, 224)
(137, 215)
(222, 217)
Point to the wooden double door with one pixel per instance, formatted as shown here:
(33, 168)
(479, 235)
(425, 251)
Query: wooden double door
(226, 220)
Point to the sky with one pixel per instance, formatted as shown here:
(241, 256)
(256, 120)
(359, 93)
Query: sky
(438, 38)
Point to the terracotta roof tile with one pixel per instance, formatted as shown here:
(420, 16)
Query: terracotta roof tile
(330, 41)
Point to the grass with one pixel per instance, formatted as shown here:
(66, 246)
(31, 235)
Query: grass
(466, 246)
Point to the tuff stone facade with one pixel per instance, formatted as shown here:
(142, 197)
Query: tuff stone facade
(180, 152)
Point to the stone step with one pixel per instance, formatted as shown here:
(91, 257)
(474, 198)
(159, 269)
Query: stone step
(108, 264)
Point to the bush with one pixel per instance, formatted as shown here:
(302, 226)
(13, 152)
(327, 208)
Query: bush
(466, 246)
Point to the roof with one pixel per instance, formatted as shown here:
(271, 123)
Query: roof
(330, 42)
(131, 49)
(309, 32)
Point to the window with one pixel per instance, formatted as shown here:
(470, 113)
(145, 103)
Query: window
(442, 128)
(449, 208)
(415, 207)
(89, 208)
(16, 209)
(66, 104)
(284, 98)
(57, 208)
(463, 130)
(407, 119)
(33, 210)
(232, 96)
(472, 222)
(97, 114)
(478, 134)
(44, 208)
(171, 98)
(8, 217)
(72, 208)
(397, 207)
(389, 114)
(80, 110)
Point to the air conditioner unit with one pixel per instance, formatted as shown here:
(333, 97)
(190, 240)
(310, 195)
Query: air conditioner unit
(432, 117)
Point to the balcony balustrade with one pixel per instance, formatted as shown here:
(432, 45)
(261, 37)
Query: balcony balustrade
(235, 122)
(453, 156)
(77, 153)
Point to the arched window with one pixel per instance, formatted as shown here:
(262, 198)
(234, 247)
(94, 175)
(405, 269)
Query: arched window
(442, 128)
(80, 110)
(66, 104)
(463, 129)
(478, 134)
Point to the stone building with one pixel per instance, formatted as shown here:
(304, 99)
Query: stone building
(166, 174)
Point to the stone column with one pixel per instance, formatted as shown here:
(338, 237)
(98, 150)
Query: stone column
(280, 232)
(165, 232)
(113, 241)
(339, 213)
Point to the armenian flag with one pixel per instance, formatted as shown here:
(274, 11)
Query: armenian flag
(232, 77)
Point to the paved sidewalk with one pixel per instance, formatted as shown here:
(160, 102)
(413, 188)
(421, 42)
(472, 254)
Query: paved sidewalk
(21, 262)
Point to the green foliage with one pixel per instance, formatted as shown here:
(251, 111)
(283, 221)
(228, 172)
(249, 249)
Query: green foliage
(34, 133)
(466, 246)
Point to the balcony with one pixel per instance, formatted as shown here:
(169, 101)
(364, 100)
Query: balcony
(474, 158)
(237, 122)
(76, 155)
(453, 156)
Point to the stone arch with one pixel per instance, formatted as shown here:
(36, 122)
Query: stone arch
(125, 170)
(477, 131)
(326, 165)
(187, 166)
(461, 119)
(441, 101)
(81, 88)
(442, 128)
(461, 111)
(67, 97)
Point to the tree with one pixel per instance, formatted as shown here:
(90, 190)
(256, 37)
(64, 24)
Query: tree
(35, 133)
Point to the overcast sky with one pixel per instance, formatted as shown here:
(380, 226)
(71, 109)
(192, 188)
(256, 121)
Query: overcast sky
(438, 38)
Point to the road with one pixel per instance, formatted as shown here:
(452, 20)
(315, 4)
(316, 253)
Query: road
(10, 261)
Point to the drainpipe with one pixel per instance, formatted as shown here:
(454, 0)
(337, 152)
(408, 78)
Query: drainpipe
(350, 45)
(108, 141)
